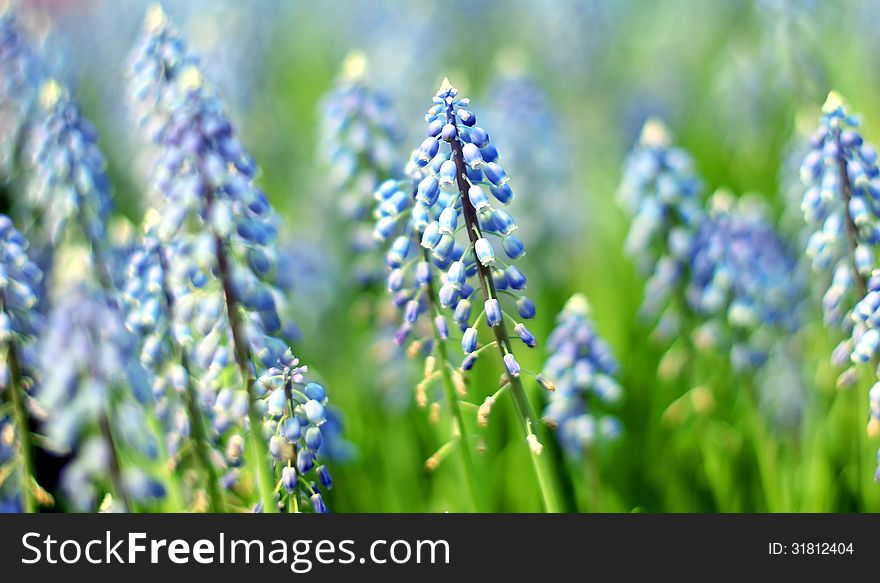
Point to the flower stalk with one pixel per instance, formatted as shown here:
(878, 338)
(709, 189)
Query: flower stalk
(528, 420)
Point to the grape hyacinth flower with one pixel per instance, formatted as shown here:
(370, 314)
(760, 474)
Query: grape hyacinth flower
(359, 139)
(865, 345)
(96, 399)
(662, 194)
(841, 176)
(224, 231)
(527, 129)
(151, 295)
(69, 186)
(462, 178)
(744, 283)
(403, 214)
(19, 81)
(581, 370)
(20, 323)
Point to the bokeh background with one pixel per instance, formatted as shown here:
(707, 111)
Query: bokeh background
(737, 82)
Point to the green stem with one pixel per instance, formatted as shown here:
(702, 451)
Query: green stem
(25, 445)
(454, 407)
(191, 400)
(258, 442)
(528, 420)
(765, 452)
(119, 491)
(242, 358)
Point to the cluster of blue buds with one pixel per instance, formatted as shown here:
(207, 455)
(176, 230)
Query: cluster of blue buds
(444, 208)
(223, 231)
(20, 280)
(20, 323)
(663, 196)
(863, 348)
(359, 141)
(95, 397)
(743, 282)
(19, 79)
(840, 204)
(527, 128)
(154, 62)
(359, 136)
(296, 426)
(580, 373)
(412, 272)
(69, 184)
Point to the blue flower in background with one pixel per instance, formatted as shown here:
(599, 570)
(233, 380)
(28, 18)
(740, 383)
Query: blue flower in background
(96, 397)
(840, 204)
(743, 282)
(527, 128)
(662, 194)
(20, 323)
(581, 371)
(69, 187)
(19, 82)
(359, 139)
(224, 232)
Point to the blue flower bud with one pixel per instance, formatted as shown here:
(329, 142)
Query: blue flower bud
(493, 312)
(435, 127)
(515, 277)
(511, 365)
(313, 438)
(448, 220)
(315, 391)
(442, 327)
(428, 191)
(428, 149)
(525, 308)
(305, 461)
(395, 280)
(496, 174)
(485, 252)
(324, 477)
(478, 198)
(318, 504)
(447, 174)
(466, 117)
(489, 153)
(479, 137)
(525, 335)
(431, 236)
(447, 295)
(292, 429)
(289, 478)
(472, 156)
(412, 311)
(469, 340)
(456, 275)
(315, 412)
(513, 247)
(449, 132)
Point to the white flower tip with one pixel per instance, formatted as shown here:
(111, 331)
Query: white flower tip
(833, 102)
(155, 18)
(534, 444)
(354, 67)
(578, 304)
(191, 78)
(446, 85)
(655, 133)
(50, 93)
